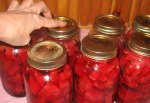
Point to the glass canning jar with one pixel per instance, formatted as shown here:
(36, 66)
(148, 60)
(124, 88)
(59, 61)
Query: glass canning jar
(48, 77)
(135, 70)
(140, 24)
(112, 26)
(96, 70)
(38, 35)
(68, 36)
(12, 64)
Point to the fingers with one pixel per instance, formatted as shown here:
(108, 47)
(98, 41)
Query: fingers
(13, 5)
(40, 7)
(49, 23)
(25, 4)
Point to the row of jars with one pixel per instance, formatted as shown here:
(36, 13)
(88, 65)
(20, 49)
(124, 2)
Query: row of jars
(60, 67)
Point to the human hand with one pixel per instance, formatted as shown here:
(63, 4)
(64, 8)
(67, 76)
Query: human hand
(20, 20)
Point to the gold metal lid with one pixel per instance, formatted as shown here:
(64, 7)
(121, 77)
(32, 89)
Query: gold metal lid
(47, 55)
(70, 30)
(142, 23)
(109, 24)
(99, 47)
(140, 43)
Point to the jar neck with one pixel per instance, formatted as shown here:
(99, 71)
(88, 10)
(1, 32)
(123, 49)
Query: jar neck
(111, 35)
(98, 61)
(134, 54)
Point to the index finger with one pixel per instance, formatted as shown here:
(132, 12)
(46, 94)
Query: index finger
(40, 7)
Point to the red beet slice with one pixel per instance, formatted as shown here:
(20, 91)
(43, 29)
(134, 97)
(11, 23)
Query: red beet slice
(85, 82)
(64, 86)
(94, 95)
(127, 95)
(16, 79)
(14, 69)
(19, 89)
(50, 91)
(35, 87)
(39, 78)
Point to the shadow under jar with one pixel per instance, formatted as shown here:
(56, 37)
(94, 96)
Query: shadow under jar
(48, 77)
(140, 24)
(110, 25)
(12, 64)
(68, 36)
(96, 70)
(135, 70)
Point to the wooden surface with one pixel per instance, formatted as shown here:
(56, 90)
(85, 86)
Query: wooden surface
(84, 11)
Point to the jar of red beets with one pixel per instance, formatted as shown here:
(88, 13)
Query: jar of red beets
(38, 35)
(48, 77)
(112, 26)
(140, 24)
(68, 36)
(12, 64)
(96, 70)
(135, 70)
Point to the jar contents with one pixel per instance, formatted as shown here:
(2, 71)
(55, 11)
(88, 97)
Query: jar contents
(68, 36)
(96, 70)
(113, 26)
(48, 77)
(12, 64)
(135, 70)
(140, 24)
(38, 35)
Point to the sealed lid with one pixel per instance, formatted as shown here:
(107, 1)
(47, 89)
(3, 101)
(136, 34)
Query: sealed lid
(109, 24)
(68, 31)
(46, 55)
(99, 47)
(140, 43)
(142, 23)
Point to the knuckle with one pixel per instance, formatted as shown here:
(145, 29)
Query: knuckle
(42, 3)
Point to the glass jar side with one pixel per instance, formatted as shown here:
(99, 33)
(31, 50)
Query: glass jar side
(13, 63)
(135, 80)
(54, 86)
(96, 81)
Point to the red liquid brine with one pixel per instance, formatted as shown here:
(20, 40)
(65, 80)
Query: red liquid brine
(135, 71)
(13, 62)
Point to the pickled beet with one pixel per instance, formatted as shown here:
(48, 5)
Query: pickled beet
(13, 62)
(53, 86)
(95, 81)
(135, 78)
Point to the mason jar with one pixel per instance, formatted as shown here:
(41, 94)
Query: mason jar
(135, 70)
(38, 35)
(68, 36)
(48, 76)
(12, 64)
(112, 26)
(96, 70)
(141, 24)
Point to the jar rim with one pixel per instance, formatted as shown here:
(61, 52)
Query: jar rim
(46, 55)
(141, 23)
(70, 30)
(140, 43)
(99, 47)
(109, 24)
